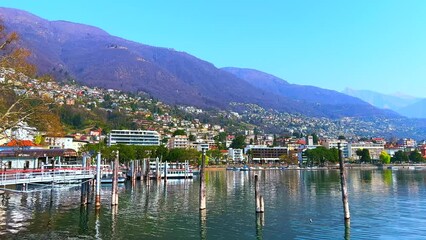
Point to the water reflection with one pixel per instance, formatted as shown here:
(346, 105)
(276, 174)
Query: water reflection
(298, 205)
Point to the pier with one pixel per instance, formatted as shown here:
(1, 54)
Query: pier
(56, 175)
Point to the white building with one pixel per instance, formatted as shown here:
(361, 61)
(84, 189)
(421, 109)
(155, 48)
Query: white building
(235, 155)
(333, 143)
(178, 141)
(374, 148)
(134, 137)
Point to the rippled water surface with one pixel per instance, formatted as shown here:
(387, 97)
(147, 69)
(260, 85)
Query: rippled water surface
(384, 204)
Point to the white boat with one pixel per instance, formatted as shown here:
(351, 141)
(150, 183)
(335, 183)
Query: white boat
(174, 170)
(107, 174)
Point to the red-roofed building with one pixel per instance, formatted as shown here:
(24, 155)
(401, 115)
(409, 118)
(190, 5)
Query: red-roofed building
(20, 143)
(423, 150)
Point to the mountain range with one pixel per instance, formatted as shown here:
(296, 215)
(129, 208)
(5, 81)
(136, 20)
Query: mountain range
(405, 105)
(93, 57)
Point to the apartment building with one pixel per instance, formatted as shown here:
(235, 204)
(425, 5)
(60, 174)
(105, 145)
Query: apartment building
(374, 148)
(134, 137)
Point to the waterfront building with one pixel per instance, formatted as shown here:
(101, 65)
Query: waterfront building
(235, 155)
(301, 153)
(267, 154)
(18, 158)
(333, 143)
(374, 148)
(134, 137)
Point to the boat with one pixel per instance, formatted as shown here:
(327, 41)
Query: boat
(175, 170)
(108, 179)
(107, 175)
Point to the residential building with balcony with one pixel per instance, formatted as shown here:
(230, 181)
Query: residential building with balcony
(178, 141)
(134, 137)
(235, 155)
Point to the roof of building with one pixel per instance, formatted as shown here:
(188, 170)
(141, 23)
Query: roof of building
(20, 143)
(39, 153)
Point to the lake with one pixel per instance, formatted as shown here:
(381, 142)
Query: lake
(299, 204)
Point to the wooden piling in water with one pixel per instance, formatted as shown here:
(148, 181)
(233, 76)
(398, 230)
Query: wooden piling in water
(157, 169)
(257, 197)
(345, 200)
(203, 182)
(98, 182)
(114, 192)
(165, 172)
(147, 170)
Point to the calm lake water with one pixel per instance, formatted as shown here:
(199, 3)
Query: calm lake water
(384, 204)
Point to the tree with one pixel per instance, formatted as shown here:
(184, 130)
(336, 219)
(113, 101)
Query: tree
(215, 155)
(239, 142)
(364, 155)
(385, 157)
(416, 157)
(179, 132)
(192, 138)
(17, 105)
(399, 157)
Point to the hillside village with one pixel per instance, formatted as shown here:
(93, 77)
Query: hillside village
(293, 138)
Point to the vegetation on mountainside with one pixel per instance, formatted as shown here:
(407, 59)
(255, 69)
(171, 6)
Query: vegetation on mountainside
(18, 105)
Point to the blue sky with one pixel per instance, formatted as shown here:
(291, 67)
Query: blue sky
(375, 45)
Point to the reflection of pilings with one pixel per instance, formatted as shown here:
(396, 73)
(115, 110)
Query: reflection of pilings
(84, 191)
(98, 182)
(203, 182)
(203, 224)
(114, 190)
(258, 198)
(84, 219)
(347, 229)
(97, 225)
(260, 222)
(345, 200)
(114, 213)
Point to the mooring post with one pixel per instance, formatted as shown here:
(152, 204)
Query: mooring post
(256, 193)
(157, 168)
(133, 165)
(148, 169)
(345, 200)
(98, 181)
(203, 182)
(84, 189)
(165, 171)
(114, 195)
(143, 170)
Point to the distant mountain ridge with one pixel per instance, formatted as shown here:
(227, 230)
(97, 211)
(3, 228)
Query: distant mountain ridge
(93, 57)
(405, 105)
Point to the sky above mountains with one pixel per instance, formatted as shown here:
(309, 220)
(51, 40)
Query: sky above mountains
(374, 45)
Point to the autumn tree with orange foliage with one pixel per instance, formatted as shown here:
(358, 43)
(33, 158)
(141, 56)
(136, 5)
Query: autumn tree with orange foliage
(17, 104)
